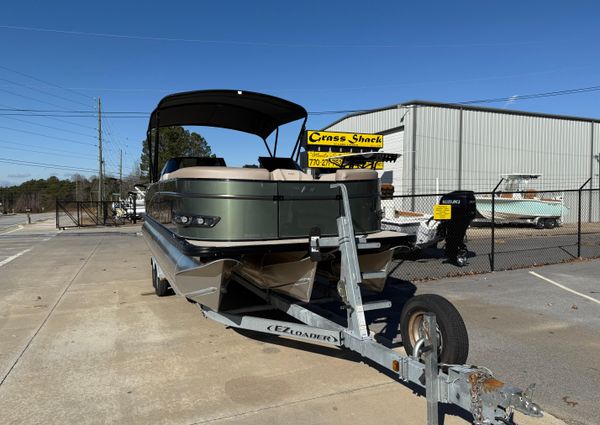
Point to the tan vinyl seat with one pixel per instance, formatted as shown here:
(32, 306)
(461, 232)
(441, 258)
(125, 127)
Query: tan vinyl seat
(329, 177)
(223, 173)
(289, 175)
(350, 175)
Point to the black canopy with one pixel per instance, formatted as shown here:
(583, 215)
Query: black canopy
(250, 112)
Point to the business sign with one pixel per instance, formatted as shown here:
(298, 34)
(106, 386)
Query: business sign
(321, 160)
(357, 140)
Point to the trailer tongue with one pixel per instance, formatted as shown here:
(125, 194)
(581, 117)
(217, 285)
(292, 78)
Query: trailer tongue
(472, 388)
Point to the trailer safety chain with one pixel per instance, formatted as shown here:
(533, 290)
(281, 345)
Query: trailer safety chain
(476, 380)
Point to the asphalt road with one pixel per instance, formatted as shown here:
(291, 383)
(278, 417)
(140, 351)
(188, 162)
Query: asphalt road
(86, 341)
(10, 221)
(17, 238)
(512, 250)
(529, 330)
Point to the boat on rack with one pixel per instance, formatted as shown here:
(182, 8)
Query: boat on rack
(206, 221)
(517, 203)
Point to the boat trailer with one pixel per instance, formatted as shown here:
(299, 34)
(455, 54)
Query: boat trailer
(475, 389)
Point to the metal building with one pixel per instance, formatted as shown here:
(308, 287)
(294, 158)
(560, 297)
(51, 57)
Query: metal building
(447, 147)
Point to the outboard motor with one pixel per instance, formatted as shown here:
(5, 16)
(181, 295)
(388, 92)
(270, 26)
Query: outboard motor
(462, 214)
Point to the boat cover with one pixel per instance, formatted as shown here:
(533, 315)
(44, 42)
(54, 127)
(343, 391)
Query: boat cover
(250, 112)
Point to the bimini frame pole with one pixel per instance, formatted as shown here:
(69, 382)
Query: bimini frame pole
(276, 140)
(150, 162)
(268, 148)
(299, 140)
(155, 162)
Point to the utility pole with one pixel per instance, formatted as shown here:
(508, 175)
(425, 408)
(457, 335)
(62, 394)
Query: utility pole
(121, 173)
(100, 161)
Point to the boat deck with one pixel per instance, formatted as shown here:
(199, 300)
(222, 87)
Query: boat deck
(382, 236)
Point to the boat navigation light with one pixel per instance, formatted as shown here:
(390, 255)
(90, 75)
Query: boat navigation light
(195, 220)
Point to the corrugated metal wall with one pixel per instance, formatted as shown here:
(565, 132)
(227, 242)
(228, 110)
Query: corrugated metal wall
(470, 149)
(495, 144)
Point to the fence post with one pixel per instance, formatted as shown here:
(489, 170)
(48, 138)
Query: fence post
(57, 219)
(579, 218)
(135, 208)
(493, 253)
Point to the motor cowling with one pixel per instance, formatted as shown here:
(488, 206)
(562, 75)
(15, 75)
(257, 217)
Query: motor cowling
(463, 211)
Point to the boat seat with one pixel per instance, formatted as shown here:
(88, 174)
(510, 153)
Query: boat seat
(506, 195)
(230, 173)
(350, 175)
(281, 174)
(327, 177)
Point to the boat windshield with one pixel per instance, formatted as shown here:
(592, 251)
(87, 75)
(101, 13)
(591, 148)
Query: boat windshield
(518, 182)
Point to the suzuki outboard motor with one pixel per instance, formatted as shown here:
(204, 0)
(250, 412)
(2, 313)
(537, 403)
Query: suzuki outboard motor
(454, 229)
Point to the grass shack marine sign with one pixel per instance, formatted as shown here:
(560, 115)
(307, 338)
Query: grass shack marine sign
(322, 160)
(322, 145)
(356, 140)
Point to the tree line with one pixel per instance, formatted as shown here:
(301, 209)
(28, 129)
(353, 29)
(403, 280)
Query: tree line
(38, 195)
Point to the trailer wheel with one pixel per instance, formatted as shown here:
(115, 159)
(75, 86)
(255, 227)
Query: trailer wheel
(550, 223)
(540, 223)
(154, 276)
(452, 333)
(162, 287)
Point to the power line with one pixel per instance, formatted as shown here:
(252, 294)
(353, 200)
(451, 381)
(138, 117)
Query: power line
(67, 111)
(46, 152)
(30, 98)
(259, 43)
(132, 114)
(37, 146)
(479, 101)
(44, 165)
(51, 115)
(51, 127)
(48, 137)
(45, 82)
(54, 119)
(43, 92)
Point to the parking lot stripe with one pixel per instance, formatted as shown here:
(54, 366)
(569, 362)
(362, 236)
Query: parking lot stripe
(587, 297)
(14, 257)
(12, 231)
(81, 267)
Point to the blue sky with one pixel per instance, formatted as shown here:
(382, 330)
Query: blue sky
(335, 55)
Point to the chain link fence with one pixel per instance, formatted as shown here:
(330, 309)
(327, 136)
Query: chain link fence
(93, 213)
(511, 230)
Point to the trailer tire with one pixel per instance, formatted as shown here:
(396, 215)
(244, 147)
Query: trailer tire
(452, 332)
(162, 287)
(550, 223)
(154, 276)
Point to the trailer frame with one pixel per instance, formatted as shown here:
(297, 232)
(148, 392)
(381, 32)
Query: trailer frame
(472, 388)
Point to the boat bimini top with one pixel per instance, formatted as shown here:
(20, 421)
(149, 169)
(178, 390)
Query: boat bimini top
(249, 112)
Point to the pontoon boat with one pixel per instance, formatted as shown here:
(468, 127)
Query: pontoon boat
(206, 220)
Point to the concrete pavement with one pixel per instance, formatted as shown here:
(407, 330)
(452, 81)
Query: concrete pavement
(13, 220)
(528, 330)
(85, 340)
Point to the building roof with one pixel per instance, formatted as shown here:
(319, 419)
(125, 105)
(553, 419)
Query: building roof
(465, 107)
